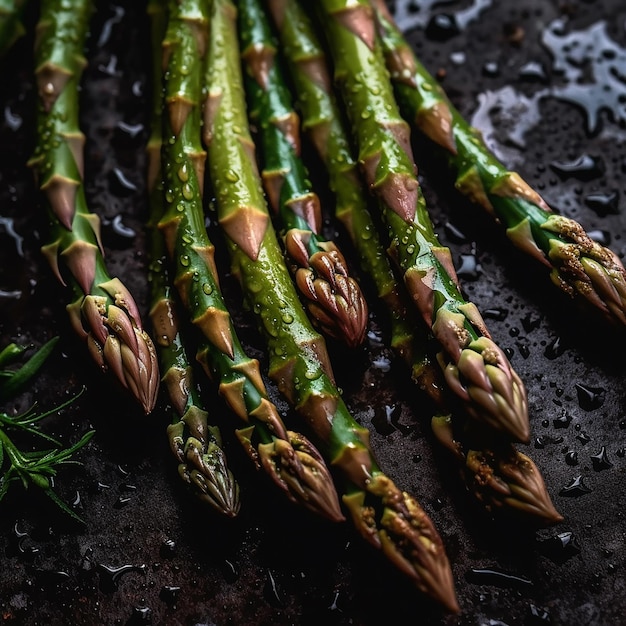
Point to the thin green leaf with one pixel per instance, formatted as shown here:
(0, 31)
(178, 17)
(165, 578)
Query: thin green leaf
(13, 385)
(9, 355)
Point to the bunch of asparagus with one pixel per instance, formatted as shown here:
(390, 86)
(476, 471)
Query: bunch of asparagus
(227, 74)
(495, 472)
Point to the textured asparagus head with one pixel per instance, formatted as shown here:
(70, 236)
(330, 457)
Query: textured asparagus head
(104, 312)
(394, 522)
(299, 468)
(501, 478)
(509, 481)
(332, 297)
(202, 462)
(491, 390)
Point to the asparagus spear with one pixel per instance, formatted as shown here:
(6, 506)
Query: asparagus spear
(11, 27)
(289, 458)
(196, 444)
(390, 519)
(579, 266)
(323, 120)
(475, 368)
(104, 313)
(499, 476)
(490, 466)
(331, 295)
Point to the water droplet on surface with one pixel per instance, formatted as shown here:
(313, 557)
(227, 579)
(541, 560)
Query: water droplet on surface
(110, 576)
(532, 71)
(530, 322)
(538, 615)
(562, 421)
(604, 203)
(571, 457)
(469, 267)
(442, 27)
(499, 578)
(561, 547)
(120, 184)
(590, 398)
(12, 120)
(600, 460)
(131, 130)
(584, 438)
(491, 69)
(575, 488)
(497, 314)
(453, 233)
(169, 594)
(555, 349)
(585, 167)
(9, 227)
(107, 27)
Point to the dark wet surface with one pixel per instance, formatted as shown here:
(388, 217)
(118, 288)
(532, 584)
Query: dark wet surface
(149, 554)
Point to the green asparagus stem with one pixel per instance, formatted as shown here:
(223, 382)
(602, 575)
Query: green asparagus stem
(11, 27)
(104, 313)
(390, 519)
(195, 443)
(289, 458)
(579, 266)
(323, 120)
(331, 295)
(37, 467)
(476, 369)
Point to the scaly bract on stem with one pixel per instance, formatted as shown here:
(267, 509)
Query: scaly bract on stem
(104, 313)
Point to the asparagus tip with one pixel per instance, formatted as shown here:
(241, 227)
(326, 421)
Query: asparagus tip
(299, 469)
(393, 521)
(510, 481)
(334, 298)
(209, 476)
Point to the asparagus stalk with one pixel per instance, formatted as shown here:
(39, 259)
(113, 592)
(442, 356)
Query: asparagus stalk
(579, 266)
(196, 444)
(475, 368)
(489, 467)
(104, 313)
(323, 121)
(331, 295)
(289, 458)
(390, 519)
(11, 27)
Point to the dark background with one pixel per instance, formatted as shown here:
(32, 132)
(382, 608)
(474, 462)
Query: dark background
(181, 564)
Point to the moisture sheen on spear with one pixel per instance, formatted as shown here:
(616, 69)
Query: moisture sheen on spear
(500, 477)
(390, 519)
(579, 266)
(289, 458)
(195, 443)
(476, 369)
(332, 297)
(104, 312)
